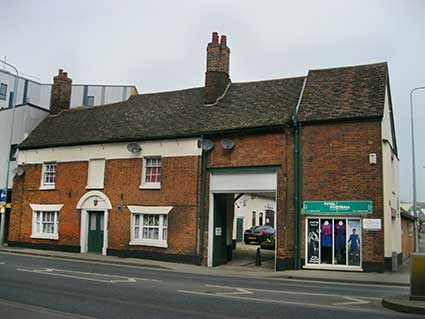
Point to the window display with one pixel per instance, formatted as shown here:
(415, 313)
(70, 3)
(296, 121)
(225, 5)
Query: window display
(353, 243)
(313, 242)
(340, 247)
(326, 241)
(333, 241)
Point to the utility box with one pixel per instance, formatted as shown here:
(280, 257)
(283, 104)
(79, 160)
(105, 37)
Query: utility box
(417, 277)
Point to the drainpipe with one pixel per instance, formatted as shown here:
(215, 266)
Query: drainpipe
(297, 181)
(202, 214)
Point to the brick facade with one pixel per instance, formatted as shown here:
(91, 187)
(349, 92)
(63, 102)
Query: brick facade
(179, 189)
(335, 166)
(263, 149)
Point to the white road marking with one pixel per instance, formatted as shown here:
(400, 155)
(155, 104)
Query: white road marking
(280, 301)
(2, 263)
(354, 301)
(293, 292)
(80, 275)
(239, 291)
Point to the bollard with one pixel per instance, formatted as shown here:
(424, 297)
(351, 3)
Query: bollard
(258, 257)
(417, 277)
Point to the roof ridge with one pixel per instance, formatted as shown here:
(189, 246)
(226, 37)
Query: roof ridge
(348, 67)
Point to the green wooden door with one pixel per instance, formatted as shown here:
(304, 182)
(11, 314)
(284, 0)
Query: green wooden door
(95, 237)
(239, 229)
(219, 249)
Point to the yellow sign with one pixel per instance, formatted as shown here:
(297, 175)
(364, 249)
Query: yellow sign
(9, 205)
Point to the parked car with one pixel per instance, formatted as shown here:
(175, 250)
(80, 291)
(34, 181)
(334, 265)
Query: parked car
(258, 234)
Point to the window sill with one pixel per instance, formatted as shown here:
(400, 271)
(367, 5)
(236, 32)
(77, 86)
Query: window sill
(94, 187)
(150, 186)
(153, 243)
(45, 236)
(47, 187)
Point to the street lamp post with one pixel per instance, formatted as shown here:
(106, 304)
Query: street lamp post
(15, 94)
(414, 168)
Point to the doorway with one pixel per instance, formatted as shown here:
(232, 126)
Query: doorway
(237, 199)
(95, 232)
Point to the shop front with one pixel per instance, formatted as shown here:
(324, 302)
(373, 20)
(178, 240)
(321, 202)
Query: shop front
(333, 234)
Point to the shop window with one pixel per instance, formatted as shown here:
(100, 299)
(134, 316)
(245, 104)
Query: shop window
(333, 241)
(151, 176)
(48, 176)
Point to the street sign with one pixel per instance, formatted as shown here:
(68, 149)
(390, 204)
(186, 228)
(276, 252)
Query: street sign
(3, 196)
(337, 207)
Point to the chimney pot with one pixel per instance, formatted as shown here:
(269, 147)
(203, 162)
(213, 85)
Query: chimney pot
(60, 71)
(214, 37)
(65, 74)
(223, 41)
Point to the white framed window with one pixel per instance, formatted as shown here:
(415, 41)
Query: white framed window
(149, 225)
(48, 176)
(45, 221)
(151, 172)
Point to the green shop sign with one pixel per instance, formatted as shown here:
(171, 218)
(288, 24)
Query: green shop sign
(338, 207)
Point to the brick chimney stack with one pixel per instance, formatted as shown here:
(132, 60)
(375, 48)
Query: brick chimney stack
(61, 92)
(217, 75)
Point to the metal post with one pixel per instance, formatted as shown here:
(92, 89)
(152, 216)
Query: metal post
(15, 94)
(414, 168)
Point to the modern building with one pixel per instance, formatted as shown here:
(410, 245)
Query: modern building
(156, 176)
(34, 102)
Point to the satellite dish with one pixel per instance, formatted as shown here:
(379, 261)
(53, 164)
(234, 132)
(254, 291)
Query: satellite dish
(134, 148)
(19, 171)
(206, 144)
(227, 144)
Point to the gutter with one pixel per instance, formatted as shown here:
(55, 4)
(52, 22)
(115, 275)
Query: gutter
(297, 181)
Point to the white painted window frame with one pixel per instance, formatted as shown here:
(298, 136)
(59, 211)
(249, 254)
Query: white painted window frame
(148, 185)
(162, 211)
(43, 184)
(55, 208)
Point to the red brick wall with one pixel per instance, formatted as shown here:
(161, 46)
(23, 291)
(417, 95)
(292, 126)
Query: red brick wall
(408, 238)
(335, 161)
(121, 186)
(265, 149)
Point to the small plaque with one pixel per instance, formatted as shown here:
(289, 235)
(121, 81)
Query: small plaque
(372, 223)
(218, 231)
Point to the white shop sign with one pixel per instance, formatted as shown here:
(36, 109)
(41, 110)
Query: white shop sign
(372, 224)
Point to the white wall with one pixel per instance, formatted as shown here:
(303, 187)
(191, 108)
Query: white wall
(26, 119)
(248, 203)
(390, 166)
(164, 148)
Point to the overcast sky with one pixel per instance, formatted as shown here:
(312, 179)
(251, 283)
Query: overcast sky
(160, 45)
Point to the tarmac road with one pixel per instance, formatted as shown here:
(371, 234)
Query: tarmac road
(42, 287)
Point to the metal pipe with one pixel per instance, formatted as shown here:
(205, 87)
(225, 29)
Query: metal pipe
(414, 167)
(15, 94)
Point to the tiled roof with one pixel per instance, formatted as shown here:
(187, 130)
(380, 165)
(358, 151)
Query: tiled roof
(344, 93)
(171, 114)
(331, 94)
